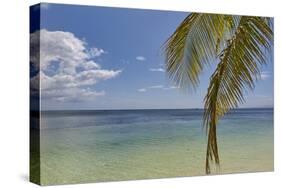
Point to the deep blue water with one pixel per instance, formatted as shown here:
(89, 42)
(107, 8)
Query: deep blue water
(106, 117)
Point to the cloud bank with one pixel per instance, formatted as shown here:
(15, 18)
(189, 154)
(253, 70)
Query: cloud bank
(68, 70)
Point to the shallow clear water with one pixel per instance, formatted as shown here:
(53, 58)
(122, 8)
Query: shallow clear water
(94, 146)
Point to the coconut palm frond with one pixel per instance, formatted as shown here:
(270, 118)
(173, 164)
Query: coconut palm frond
(237, 70)
(230, 26)
(192, 46)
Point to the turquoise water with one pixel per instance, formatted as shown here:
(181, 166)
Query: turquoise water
(95, 146)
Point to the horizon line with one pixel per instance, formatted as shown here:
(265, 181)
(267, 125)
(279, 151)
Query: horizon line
(147, 109)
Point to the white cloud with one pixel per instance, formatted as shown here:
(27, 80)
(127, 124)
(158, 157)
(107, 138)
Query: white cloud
(265, 75)
(140, 58)
(142, 90)
(68, 71)
(171, 87)
(161, 87)
(156, 87)
(157, 70)
(70, 94)
(91, 65)
(96, 52)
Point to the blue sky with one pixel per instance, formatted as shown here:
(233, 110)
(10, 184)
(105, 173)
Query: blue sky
(118, 61)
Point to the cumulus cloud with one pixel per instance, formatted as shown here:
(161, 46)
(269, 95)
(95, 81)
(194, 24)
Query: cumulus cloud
(140, 58)
(68, 71)
(90, 65)
(156, 70)
(96, 52)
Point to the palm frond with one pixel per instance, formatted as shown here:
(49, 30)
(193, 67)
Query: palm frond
(192, 46)
(237, 70)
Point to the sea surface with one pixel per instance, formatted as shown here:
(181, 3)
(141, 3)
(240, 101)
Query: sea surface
(113, 145)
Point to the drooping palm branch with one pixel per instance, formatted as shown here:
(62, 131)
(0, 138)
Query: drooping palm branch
(238, 44)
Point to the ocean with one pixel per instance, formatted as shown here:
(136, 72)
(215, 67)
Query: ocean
(114, 145)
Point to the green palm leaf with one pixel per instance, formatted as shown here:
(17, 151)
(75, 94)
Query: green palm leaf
(239, 43)
(187, 51)
(237, 70)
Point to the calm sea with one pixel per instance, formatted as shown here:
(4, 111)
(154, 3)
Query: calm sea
(113, 145)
